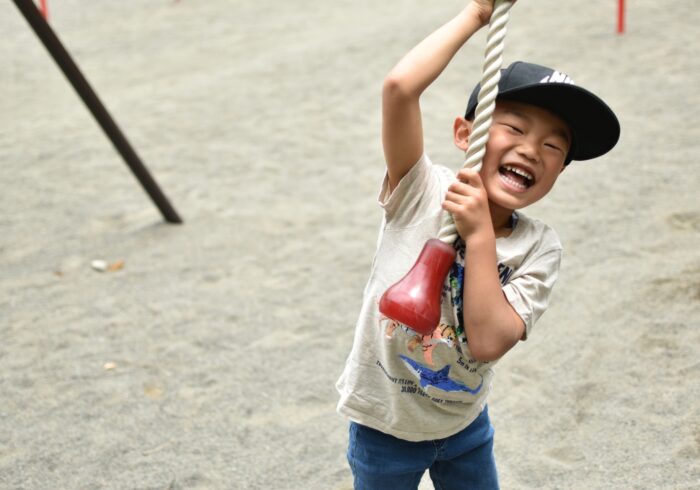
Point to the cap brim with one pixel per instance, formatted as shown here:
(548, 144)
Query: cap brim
(594, 125)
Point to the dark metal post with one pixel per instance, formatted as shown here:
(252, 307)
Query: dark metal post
(89, 97)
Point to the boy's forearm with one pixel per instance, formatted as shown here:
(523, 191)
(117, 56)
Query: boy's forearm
(493, 327)
(402, 130)
(424, 63)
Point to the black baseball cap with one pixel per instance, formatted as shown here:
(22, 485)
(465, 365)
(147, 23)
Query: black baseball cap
(593, 124)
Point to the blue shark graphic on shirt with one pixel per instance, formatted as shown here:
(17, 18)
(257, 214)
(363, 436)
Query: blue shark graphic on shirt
(439, 379)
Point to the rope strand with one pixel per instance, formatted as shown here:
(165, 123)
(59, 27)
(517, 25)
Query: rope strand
(490, 76)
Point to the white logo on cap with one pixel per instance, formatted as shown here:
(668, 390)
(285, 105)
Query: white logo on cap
(557, 77)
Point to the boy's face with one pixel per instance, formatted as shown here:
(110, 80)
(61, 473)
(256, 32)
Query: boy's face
(525, 154)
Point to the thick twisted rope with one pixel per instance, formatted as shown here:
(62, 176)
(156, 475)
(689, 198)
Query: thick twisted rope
(490, 76)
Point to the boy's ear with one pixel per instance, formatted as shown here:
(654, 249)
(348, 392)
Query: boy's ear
(461, 130)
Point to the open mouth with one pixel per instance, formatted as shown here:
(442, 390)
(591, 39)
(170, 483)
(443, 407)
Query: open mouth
(516, 177)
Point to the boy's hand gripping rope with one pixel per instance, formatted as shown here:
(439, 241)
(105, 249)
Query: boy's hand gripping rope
(490, 76)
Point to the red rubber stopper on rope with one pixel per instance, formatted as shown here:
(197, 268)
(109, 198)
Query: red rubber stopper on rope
(415, 300)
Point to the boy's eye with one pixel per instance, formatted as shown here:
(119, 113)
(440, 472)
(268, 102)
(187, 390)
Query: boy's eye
(554, 147)
(514, 129)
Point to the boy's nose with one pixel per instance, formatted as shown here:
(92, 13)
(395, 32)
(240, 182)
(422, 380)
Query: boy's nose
(529, 150)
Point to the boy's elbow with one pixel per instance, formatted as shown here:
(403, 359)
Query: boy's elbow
(489, 339)
(395, 87)
(485, 353)
(491, 349)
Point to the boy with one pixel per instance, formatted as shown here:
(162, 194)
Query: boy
(419, 402)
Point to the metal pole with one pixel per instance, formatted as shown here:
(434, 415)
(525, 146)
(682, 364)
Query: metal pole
(98, 110)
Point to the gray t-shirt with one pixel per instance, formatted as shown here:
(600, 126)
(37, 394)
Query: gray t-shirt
(430, 387)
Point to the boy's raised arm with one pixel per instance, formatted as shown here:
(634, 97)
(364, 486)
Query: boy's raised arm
(402, 129)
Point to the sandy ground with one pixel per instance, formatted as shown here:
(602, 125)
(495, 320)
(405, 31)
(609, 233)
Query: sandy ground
(209, 359)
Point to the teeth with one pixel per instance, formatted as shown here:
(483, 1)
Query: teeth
(518, 171)
(513, 182)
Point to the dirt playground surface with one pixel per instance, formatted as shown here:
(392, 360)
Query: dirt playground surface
(207, 357)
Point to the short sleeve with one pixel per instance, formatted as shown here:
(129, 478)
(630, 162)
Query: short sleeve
(530, 288)
(418, 194)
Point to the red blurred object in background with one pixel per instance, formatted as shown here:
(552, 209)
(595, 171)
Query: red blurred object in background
(621, 16)
(415, 300)
(44, 9)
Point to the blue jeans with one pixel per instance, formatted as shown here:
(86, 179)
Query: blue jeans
(462, 461)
